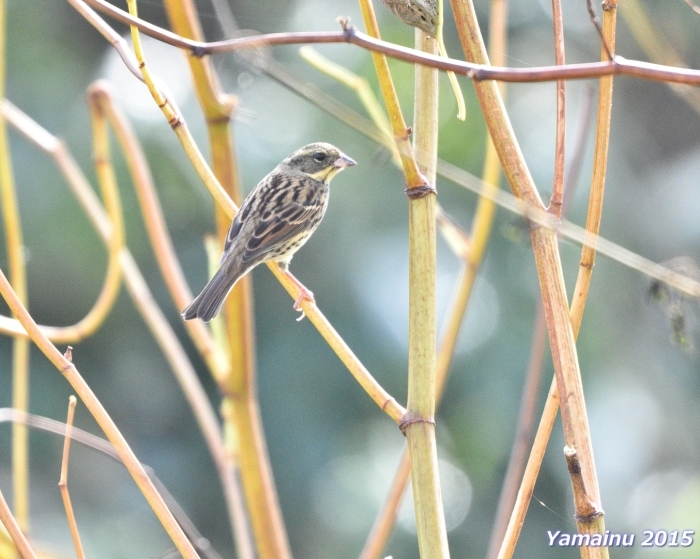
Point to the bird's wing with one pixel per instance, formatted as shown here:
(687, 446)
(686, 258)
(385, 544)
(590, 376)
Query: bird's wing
(237, 224)
(285, 223)
(259, 202)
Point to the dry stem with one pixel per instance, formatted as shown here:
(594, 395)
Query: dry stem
(522, 470)
(72, 375)
(478, 72)
(153, 316)
(391, 100)
(63, 482)
(10, 523)
(557, 199)
(546, 253)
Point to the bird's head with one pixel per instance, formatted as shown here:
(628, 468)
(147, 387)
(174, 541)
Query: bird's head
(320, 161)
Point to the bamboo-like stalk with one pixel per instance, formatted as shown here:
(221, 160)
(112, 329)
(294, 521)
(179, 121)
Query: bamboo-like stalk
(568, 376)
(590, 496)
(391, 101)
(18, 278)
(70, 372)
(522, 470)
(419, 426)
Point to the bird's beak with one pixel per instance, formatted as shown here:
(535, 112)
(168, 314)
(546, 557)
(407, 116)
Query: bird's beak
(343, 161)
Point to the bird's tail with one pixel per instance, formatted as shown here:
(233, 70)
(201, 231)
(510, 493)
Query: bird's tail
(209, 302)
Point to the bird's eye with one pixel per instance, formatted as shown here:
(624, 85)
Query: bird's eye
(319, 156)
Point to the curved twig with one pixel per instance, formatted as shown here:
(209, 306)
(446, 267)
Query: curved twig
(112, 282)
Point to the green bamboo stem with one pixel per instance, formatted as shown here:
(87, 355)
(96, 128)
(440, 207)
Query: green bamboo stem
(419, 426)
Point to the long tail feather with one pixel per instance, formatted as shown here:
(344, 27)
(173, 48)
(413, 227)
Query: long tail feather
(209, 302)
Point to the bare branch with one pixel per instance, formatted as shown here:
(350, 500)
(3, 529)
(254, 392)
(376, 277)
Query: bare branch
(617, 66)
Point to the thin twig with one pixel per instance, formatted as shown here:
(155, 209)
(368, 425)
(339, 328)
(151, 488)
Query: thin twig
(596, 23)
(103, 446)
(391, 101)
(478, 72)
(557, 199)
(63, 482)
(10, 523)
(70, 372)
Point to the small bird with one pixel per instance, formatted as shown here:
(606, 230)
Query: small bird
(275, 220)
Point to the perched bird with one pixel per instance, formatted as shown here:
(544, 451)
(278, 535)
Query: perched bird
(422, 14)
(276, 219)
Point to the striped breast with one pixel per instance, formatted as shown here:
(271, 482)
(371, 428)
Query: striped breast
(314, 212)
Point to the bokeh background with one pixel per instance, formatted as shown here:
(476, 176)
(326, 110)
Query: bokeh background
(333, 452)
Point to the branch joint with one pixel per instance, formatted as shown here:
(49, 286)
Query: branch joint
(416, 192)
(413, 420)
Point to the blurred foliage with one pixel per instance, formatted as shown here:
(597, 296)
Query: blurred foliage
(330, 446)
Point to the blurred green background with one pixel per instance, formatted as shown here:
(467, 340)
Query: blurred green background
(332, 450)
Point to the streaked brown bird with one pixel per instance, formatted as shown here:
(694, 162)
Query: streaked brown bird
(275, 220)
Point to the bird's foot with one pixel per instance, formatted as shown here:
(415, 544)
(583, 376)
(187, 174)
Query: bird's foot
(304, 294)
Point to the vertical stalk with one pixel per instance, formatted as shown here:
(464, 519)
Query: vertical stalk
(420, 426)
(20, 345)
(549, 270)
(391, 100)
(557, 199)
(600, 167)
(240, 396)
